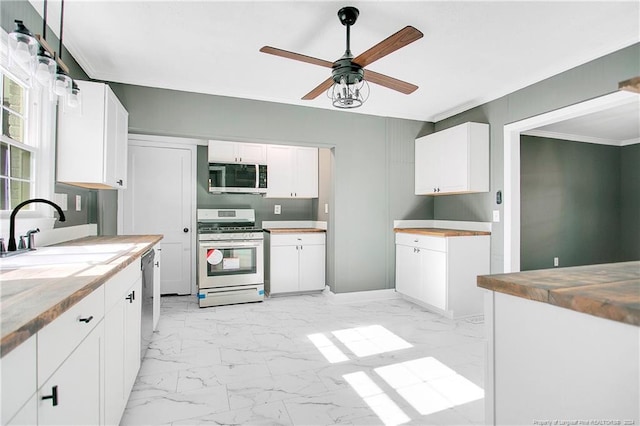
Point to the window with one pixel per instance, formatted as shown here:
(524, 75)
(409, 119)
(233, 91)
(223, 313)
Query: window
(17, 155)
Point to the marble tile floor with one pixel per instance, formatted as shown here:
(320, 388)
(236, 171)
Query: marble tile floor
(309, 360)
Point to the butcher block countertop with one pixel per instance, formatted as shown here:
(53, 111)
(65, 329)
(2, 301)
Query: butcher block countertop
(440, 232)
(37, 287)
(293, 230)
(610, 291)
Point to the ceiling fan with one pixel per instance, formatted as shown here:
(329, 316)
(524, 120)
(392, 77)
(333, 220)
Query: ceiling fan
(349, 76)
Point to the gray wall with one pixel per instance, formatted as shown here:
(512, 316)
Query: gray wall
(593, 79)
(570, 197)
(630, 208)
(372, 168)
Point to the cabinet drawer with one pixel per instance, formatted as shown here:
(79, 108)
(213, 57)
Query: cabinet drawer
(307, 238)
(116, 287)
(423, 241)
(58, 339)
(18, 369)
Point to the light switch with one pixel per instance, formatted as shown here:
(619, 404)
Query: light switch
(496, 215)
(78, 203)
(326, 208)
(277, 209)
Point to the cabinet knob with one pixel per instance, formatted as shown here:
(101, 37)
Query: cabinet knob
(119, 182)
(53, 397)
(86, 320)
(185, 230)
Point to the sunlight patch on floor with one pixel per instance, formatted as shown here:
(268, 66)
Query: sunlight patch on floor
(387, 410)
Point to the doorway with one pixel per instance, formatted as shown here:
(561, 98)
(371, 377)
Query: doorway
(512, 134)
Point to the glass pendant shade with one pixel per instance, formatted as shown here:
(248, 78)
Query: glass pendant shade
(45, 68)
(22, 47)
(74, 99)
(62, 83)
(345, 95)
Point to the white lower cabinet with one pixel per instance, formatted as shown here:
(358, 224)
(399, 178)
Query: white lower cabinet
(122, 340)
(440, 272)
(294, 262)
(72, 394)
(80, 368)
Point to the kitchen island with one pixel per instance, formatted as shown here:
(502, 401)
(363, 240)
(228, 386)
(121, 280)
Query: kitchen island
(564, 345)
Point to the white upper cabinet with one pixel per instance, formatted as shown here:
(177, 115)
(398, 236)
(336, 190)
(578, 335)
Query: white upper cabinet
(454, 160)
(237, 152)
(92, 140)
(292, 172)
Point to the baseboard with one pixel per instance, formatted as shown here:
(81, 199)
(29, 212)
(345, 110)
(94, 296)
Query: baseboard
(361, 296)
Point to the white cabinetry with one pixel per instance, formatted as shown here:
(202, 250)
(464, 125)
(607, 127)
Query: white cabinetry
(122, 339)
(156, 286)
(92, 140)
(19, 384)
(454, 160)
(237, 152)
(440, 272)
(292, 172)
(294, 262)
(70, 364)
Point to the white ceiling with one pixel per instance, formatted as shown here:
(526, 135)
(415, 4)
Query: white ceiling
(619, 126)
(471, 52)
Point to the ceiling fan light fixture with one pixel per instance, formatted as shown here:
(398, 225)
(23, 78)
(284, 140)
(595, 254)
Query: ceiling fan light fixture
(345, 95)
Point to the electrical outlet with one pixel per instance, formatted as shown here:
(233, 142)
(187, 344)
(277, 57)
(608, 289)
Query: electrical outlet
(78, 203)
(61, 200)
(277, 209)
(556, 261)
(496, 215)
(326, 208)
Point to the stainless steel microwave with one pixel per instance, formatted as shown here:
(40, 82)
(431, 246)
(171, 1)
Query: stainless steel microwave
(237, 178)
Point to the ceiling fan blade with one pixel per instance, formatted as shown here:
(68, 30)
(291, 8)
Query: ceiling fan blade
(392, 43)
(296, 56)
(390, 82)
(321, 88)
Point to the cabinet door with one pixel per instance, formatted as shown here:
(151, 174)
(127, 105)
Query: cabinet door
(434, 266)
(284, 269)
(427, 164)
(222, 152)
(312, 267)
(77, 386)
(115, 398)
(408, 272)
(132, 318)
(27, 415)
(156, 286)
(122, 143)
(110, 137)
(454, 154)
(306, 173)
(280, 171)
(252, 153)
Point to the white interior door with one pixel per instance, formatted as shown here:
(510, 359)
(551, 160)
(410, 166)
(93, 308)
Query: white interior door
(158, 200)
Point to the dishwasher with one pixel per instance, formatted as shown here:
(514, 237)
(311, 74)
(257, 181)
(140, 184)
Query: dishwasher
(146, 325)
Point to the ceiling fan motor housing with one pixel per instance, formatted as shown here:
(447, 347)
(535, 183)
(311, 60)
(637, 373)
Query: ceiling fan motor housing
(345, 68)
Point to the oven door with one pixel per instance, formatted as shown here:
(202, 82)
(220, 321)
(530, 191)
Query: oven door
(230, 263)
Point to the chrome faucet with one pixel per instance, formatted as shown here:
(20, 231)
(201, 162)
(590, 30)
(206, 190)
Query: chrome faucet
(12, 220)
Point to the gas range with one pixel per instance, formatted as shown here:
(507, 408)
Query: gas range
(227, 224)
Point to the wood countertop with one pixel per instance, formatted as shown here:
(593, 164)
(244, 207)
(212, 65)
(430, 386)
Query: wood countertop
(610, 291)
(293, 230)
(37, 287)
(440, 232)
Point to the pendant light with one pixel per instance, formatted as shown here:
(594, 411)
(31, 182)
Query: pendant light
(62, 84)
(22, 47)
(45, 69)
